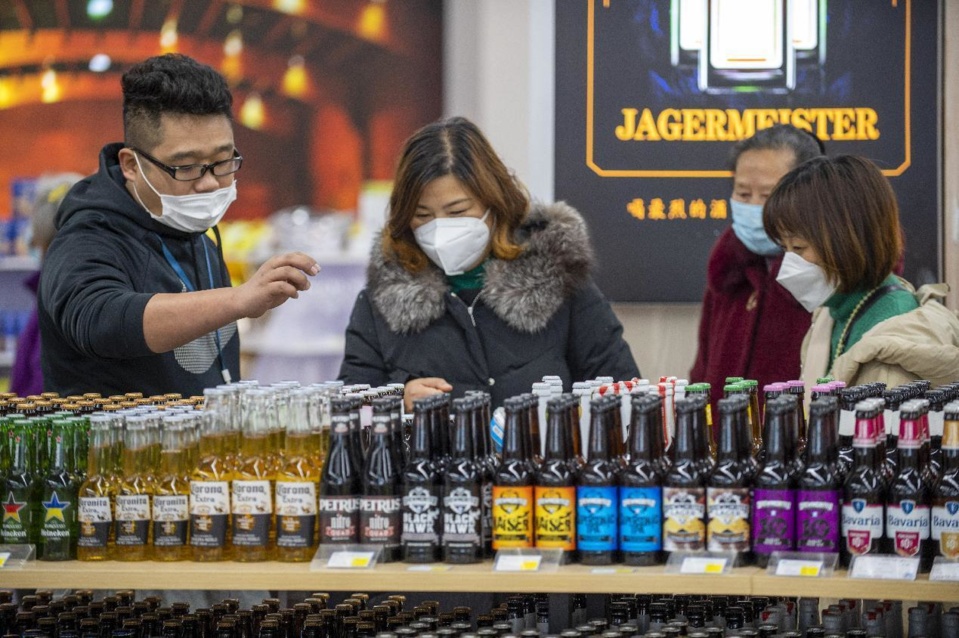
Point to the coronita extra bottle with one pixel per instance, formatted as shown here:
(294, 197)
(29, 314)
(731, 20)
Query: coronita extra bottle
(684, 488)
(727, 489)
(909, 497)
(381, 519)
(135, 492)
(210, 491)
(340, 482)
(597, 491)
(945, 496)
(555, 490)
(97, 493)
(251, 503)
(641, 492)
(462, 496)
(513, 482)
(422, 490)
(171, 495)
(297, 481)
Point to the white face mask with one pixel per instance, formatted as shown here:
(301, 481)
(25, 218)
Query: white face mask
(454, 243)
(806, 281)
(196, 213)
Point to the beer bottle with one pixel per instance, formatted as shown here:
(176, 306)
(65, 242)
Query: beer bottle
(462, 505)
(774, 495)
(171, 496)
(485, 466)
(97, 493)
(340, 482)
(797, 389)
(555, 491)
(440, 434)
(59, 529)
(684, 488)
(727, 490)
(513, 482)
(945, 498)
(894, 398)
(751, 389)
(210, 490)
(597, 494)
(296, 482)
(132, 529)
(909, 498)
(848, 398)
(864, 492)
(819, 495)
(422, 489)
(20, 489)
(381, 521)
(702, 389)
(641, 493)
(253, 481)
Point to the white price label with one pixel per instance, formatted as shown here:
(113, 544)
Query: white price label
(944, 571)
(885, 567)
(790, 567)
(517, 563)
(4, 557)
(350, 560)
(428, 568)
(696, 565)
(612, 570)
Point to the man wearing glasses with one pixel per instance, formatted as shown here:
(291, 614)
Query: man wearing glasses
(134, 295)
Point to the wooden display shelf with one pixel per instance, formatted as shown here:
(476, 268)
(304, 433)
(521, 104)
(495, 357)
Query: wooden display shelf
(398, 577)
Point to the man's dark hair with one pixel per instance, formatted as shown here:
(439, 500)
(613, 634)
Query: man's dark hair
(171, 83)
(803, 144)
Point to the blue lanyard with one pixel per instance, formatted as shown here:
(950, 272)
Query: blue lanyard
(181, 274)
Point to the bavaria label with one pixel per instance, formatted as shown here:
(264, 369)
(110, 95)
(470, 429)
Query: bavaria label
(252, 508)
(945, 528)
(727, 510)
(684, 509)
(295, 513)
(556, 517)
(596, 518)
(640, 519)
(209, 513)
(907, 524)
(774, 520)
(861, 525)
(817, 521)
(512, 516)
(171, 516)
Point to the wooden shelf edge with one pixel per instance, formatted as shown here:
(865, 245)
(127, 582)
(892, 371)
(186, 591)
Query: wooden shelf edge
(459, 578)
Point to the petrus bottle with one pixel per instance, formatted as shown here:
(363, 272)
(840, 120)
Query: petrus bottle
(381, 518)
(340, 483)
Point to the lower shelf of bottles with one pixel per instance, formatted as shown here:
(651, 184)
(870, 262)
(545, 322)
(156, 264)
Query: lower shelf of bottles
(457, 578)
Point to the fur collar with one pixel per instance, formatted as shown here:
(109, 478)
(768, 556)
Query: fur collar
(524, 293)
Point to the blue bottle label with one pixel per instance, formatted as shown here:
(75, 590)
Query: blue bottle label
(640, 519)
(596, 528)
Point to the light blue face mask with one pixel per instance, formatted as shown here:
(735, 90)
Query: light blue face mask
(748, 226)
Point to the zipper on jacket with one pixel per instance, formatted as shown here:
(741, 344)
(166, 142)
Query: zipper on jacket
(469, 308)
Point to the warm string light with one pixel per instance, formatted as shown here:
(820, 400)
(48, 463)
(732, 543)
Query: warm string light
(168, 36)
(253, 112)
(50, 87)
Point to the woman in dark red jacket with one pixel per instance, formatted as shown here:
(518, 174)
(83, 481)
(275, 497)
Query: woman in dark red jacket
(751, 326)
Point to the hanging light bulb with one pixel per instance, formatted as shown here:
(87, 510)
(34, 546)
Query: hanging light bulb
(99, 9)
(50, 87)
(296, 81)
(372, 24)
(6, 92)
(293, 7)
(168, 36)
(253, 112)
(100, 62)
(233, 45)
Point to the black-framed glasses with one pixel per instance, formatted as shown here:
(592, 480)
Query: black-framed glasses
(194, 172)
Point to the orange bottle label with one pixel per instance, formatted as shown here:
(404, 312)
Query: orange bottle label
(556, 517)
(512, 516)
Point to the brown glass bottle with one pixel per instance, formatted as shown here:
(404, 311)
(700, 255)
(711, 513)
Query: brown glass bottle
(727, 489)
(819, 493)
(555, 490)
(340, 481)
(864, 491)
(513, 482)
(909, 498)
(597, 491)
(684, 488)
(485, 464)
(641, 492)
(380, 501)
(774, 495)
(945, 497)
(422, 491)
(462, 495)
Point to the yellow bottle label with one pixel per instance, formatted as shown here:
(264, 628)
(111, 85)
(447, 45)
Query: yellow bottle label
(512, 516)
(728, 513)
(556, 517)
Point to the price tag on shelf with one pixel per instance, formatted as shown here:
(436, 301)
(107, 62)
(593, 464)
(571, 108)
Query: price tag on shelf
(15, 556)
(808, 568)
(697, 565)
(884, 567)
(612, 570)
(351, 560)
(428, 568)
(944, 569)
(4, 557)
(517, 563)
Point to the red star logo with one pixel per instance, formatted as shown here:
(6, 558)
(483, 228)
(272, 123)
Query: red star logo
(11, 509)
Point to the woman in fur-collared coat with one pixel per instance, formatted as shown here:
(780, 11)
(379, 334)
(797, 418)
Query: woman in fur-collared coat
(470, 288)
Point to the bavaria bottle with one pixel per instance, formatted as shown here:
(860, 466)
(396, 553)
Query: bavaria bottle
(297, 482)
(462, 495)
(422, 490)
(819, 496)
(864, 492)
(774, 496)
(641, 492)
(381, 522)
(945, 496)
(555, 490)
(909, 497)
(684, 488)
(597, 493)
(513, 482)
(340, 482)
(727, 489)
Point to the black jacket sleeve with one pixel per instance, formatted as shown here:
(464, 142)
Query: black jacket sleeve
(363, 359)
(596, 345)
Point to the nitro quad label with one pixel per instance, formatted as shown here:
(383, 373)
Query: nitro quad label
(171, 516)
(556, 517)
(512, 516)
(295, 514)
(95, 518)
(381, 520)
(209, 513)
(252, 508)
(339, 519)
(132, 519)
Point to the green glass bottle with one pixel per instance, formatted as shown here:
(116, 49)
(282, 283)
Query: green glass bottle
(19, 489)
(58, 525)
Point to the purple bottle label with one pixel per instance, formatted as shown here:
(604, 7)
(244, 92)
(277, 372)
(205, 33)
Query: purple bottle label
(774, 521)
(817, 521)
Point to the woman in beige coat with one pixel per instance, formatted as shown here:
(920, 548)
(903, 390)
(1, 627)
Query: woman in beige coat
(838, 221)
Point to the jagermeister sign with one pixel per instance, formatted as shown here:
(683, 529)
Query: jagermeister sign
(651, 95)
